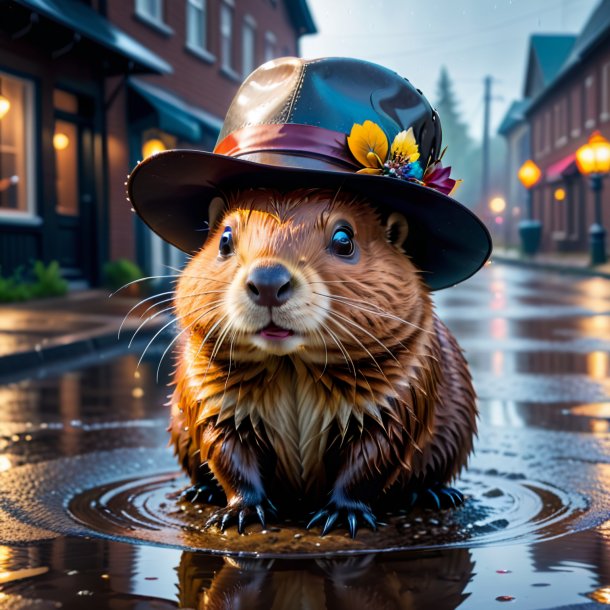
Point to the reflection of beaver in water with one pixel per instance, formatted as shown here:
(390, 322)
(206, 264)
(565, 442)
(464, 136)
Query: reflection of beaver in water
(315, 375)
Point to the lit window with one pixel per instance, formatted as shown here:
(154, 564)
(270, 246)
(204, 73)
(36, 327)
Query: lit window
(16, 146)
(226, 35)
(197, 24)
(65, 143)
(270, 46)
(248, 47)
(151, 10)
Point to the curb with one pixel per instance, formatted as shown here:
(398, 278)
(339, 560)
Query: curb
(17, 366)
(550, 266)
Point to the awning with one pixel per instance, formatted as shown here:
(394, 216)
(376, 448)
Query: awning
(561, 169)
(174, 115)
(83, 20)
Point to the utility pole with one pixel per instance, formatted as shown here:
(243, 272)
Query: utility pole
(486, 149)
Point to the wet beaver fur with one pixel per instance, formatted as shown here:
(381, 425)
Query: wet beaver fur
(314, 376)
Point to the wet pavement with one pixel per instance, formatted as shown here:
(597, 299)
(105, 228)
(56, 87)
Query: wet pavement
(86, 521)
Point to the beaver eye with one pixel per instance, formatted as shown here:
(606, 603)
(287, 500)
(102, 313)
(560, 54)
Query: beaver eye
(342, 242)
(226, 246)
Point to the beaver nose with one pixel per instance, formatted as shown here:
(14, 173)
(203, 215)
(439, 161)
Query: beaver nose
(269, 286)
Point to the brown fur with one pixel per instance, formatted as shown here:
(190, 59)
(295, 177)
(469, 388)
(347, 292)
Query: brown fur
(374, 395)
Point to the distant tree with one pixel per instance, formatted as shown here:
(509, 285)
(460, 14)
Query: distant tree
(455, 131)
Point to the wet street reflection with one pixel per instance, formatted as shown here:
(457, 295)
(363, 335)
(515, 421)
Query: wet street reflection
(87, 519)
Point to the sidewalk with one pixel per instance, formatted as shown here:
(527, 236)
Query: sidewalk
(573, 263)
(42, 333)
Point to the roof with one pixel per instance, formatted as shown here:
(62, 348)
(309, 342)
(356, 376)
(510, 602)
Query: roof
(595, 33)
(301, 18)
(87, 23)
(551, 52)
(514, 116)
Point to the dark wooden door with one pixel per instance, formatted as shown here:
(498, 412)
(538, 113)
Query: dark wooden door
(76, 246)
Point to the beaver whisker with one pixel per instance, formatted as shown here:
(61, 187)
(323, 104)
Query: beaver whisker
(195, 277)
(360, 327)
(154, 296)
(172, 321)
(377, 310)
(319, 333)
(342, 327)
(341, 347)
(214, 327)
(143, 279)
(175, 298)
(180, 334)
(216, 305)
(147, 320)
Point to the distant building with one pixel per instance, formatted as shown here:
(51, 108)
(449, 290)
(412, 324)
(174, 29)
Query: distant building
(85, 86)
(566, 98)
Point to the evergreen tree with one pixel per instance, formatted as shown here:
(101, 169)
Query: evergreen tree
(455, 131)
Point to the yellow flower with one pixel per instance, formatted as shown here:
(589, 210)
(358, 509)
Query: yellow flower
(405, 146)
(369, 145)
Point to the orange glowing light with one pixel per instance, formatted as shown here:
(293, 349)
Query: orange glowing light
(61, 141)
(559, 194)
(5, 106)
(152, 147)
(497, 205)
(529, 174)
(594, 156)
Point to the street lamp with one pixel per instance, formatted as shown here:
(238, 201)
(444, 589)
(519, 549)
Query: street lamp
(593, 160)
(529, 229)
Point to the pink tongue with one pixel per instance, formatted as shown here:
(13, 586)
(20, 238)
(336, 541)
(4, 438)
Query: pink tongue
(275, 332)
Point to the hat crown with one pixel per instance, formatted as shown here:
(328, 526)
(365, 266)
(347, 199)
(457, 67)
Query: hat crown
(334, 93)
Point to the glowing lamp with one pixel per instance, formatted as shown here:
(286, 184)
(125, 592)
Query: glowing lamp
(529, 174)
(559, 194)
(60, 141)
(593, 158)
(152, 147)
(5, 106)
(497, 205)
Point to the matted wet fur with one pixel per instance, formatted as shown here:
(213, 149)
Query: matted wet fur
(368, 399)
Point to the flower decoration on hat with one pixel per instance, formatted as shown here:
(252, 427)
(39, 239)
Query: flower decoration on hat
(370, 147)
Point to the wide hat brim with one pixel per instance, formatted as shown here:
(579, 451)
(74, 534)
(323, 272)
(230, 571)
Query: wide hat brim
(171, 192)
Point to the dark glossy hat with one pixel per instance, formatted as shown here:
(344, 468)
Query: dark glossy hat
(288, 128)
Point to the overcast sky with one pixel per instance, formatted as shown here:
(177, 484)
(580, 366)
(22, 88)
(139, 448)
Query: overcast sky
(472, 38)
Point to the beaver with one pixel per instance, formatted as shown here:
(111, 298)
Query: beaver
(314, 376)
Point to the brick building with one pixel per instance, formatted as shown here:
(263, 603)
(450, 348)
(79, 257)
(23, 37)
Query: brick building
(88, 87)
(566, 98)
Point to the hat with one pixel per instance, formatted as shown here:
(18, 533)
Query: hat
(325, 123)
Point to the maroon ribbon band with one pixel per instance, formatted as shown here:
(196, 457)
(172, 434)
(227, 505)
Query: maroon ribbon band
(303, 140)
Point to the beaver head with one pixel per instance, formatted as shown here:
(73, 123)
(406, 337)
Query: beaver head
(310, 274)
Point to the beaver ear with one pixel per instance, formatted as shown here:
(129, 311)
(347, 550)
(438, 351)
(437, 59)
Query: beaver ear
(396, 229)
(216, 211)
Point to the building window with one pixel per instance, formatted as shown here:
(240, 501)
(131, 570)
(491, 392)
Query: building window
(197, 25)
(248, 46)
(547, 132)
(270, 46)
(537, 137)
(604, 115)
(16, 147)
(589, 102)
(152, 13)
(226, 35)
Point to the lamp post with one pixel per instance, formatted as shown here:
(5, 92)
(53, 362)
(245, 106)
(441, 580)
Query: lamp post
(529, 229)
(593, 160)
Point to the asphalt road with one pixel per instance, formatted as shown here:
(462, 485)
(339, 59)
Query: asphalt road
(84, 473)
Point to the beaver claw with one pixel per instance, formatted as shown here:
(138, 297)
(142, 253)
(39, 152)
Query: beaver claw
(203, 492)
(352, 512)
(441, 497)
(241, 513)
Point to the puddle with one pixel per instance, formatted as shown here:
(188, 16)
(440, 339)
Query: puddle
(498, 510)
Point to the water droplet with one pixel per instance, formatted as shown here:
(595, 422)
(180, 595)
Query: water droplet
(84, 593)
(505, 598)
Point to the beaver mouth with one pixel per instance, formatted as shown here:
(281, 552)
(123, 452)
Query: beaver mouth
(276, 333)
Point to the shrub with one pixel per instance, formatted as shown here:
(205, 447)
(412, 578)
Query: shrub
(121, 272)
(46, 281)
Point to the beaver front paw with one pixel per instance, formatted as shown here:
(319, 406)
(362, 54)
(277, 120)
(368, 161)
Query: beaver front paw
(241, 512)
(351, 510)
(209, 493)
(441, 497)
